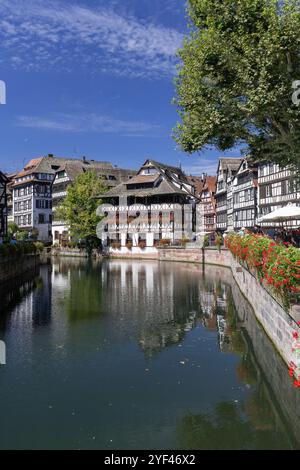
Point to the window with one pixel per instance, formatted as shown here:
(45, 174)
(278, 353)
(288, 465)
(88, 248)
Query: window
(268, 191)
(276, 189)
(41, 218)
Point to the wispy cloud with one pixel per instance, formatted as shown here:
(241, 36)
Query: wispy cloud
(199, 165)
(89, 123)
(45, 35)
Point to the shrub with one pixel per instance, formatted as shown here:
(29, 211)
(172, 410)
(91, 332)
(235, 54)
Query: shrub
(129, 245)
(22, 235)
(277, 264)
(71, 245)
(8, 250)
(39, 246)
(219, 242)
(206, 241)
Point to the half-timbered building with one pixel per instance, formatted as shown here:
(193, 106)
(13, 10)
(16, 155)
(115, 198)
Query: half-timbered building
(147, 205)
(227, 169)
(277, 188)
(244, 194)
(207, 199)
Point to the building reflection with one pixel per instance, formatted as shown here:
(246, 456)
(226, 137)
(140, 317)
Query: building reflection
(26, 300)
(156, 300)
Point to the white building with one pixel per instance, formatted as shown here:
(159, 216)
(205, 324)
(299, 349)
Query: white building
(157, 205)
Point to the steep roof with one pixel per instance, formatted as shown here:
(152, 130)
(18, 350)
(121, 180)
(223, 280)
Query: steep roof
(50, 164)
(230, 163)
(210, 184)
(197, 182)
(168, 179)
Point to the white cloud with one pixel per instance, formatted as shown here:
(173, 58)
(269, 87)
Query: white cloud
(201, 165)
(51, 34)
(89, 123)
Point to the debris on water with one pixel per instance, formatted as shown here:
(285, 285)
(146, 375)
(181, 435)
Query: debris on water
(182, 362)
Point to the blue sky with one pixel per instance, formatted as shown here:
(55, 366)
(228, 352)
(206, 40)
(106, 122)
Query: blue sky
(93, 78)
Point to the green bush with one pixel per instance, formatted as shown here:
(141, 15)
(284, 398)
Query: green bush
(39, 246)
(219, 242)
(9, 250)
(206, 241)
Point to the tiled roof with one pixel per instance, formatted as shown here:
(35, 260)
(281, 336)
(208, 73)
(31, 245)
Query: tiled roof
(230, 163)
(51, 164)
(211, 184)
(167, 184)
(197, 182)
(143, 179)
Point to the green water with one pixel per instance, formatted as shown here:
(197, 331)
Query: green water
(133, 355)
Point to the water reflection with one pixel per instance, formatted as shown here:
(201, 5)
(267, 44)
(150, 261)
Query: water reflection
(146, 353)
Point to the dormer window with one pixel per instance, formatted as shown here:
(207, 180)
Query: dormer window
(149, 171)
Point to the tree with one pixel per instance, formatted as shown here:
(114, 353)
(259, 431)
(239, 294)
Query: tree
(235, 81)
(12, 229)
(79, 207)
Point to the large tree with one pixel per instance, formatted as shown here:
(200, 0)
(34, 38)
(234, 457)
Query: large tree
(235, 80)
(79, 207)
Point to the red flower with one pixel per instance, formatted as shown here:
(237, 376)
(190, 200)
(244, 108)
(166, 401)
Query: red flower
(295, 335)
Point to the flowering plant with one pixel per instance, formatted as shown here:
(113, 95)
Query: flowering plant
(276, 264)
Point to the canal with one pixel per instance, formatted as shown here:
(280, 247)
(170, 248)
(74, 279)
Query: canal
(135, 355)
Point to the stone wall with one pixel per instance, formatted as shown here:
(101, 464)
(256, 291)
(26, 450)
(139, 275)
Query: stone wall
(189, 255)
(11, 268)
(278, 324)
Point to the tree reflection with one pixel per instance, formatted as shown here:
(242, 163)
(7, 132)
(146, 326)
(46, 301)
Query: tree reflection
(255, 425)
(84, 297)
(227, 428)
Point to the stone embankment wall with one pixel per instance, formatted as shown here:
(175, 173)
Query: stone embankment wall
(191, 255)
(11, 268)
(210, 256)
(278, 324)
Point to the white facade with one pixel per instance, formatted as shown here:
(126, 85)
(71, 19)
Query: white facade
(32, 204)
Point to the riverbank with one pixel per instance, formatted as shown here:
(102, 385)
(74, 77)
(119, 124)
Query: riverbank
(15, 266)
(185, 255)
